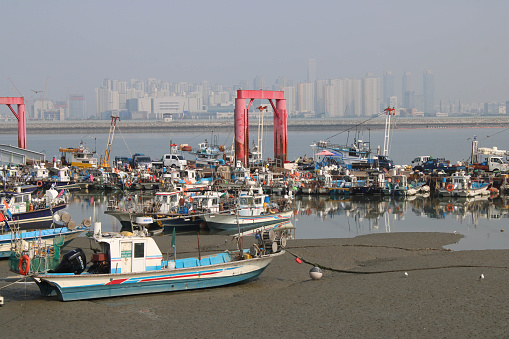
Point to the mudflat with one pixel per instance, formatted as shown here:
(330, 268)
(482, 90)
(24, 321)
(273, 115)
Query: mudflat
(364, 292)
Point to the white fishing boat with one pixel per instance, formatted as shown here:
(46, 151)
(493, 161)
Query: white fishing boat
(254, 210)
(462, 185)
(80, 157)
(128, 264)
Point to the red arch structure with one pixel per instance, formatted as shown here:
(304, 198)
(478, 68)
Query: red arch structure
(242, 123)
(20, 115)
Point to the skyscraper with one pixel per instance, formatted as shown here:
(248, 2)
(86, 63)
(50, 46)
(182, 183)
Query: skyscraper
(388, 88)
(312, 70)
(406, 83)
(77, 107)
(428, 91)
(370, 96)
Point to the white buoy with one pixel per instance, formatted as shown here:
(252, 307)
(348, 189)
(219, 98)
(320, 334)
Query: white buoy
(315, 273)
(481, 277)
(406, 274)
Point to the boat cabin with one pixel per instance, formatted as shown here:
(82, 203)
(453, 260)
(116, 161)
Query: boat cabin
(252, 202)
(126, 254)
(169, 201)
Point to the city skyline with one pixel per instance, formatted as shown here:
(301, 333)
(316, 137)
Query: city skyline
(73, 46)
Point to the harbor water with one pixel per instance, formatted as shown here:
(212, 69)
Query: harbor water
(481, 221)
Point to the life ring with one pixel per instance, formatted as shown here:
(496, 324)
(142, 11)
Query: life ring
(39, 183)
(128, 183)
(24, 259)
(450, 188)
(308, 175)
(450, 208)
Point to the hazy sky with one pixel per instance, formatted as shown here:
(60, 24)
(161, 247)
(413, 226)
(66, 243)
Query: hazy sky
(76, 44)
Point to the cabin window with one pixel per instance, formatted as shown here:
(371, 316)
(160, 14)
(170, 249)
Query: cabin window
(18, 199)
(139, 250)
(258, 201)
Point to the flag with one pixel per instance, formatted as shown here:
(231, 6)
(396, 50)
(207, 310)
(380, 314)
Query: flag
(6, 225)
(2, 218)
(173, 245)
(7, 209)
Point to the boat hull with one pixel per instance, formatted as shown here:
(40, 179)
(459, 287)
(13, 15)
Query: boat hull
(89, 286)
(160, 220)
(37, 218)
(229, 221)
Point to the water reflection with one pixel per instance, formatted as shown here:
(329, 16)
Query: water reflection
(480, 219)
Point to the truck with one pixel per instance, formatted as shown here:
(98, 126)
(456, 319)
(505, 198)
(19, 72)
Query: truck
(440, 164)
(419, 161)
(383, 161)
(491, 164)
(488, 159)
(140, 160)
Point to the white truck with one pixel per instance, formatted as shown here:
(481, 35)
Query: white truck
(492, 163)
(489, 159)
(419, 161)
(174, 161)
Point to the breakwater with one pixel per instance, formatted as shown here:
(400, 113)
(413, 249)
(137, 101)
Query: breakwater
(134, 126)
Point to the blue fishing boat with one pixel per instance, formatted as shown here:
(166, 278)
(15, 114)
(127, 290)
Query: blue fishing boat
(132, 263)
(45, 237)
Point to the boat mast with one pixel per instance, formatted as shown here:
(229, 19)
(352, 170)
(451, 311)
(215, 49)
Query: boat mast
(388, 112)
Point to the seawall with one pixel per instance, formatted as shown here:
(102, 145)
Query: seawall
(130, 126)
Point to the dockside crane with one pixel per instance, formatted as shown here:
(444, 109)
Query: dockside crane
(106, 160)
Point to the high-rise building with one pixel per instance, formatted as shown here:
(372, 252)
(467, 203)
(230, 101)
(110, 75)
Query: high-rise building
(306, 97)
(312, 70)
(428, 91)
(370, 96)
(321, 95)
(77, 107)
(388, 88)
(291, 99)
(406, 83)
(258, 83)
(106, 100)
(205, 92)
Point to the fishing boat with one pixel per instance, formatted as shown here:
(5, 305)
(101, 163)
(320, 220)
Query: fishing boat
(462, 185)
(29, 209)
(253, 210)
(132, 263)
(357, 154)
(168, 209)
(80, 157)
(63, 228)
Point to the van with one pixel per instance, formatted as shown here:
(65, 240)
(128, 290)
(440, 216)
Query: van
(174, 160)
(418, 162)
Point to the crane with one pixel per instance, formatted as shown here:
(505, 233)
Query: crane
(16, 88)
(106, 162)
(43, 95)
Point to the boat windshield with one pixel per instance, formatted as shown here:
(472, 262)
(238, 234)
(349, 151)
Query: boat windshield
(247, 201)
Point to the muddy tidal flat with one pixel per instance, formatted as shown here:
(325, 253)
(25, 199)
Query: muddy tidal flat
(364, 292)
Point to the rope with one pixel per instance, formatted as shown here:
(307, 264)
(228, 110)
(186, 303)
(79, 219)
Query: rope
(393, 271)
(124, 141)
(349, 128)
(17, 281)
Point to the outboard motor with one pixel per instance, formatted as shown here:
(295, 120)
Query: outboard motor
(74, 261)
